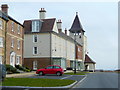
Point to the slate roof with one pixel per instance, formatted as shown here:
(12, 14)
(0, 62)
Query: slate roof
(88, 59)
(76, 26)
(47, 25)
(7, 17)
(3, 16)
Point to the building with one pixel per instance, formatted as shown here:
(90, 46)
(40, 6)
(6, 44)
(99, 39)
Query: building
(3, 27)
(77, 33)
(46, 44)
(89, 64)
(13, 40)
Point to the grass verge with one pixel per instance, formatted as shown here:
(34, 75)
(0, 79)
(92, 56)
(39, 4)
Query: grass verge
(77, 73)
(36, 82)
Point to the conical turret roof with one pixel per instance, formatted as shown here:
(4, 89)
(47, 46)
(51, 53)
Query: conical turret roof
(76, 26)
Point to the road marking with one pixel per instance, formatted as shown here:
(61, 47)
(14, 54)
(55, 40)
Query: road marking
(66, 77)
(80, 81)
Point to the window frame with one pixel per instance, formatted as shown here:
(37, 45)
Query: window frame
(12, 26)
(35, 38)
(18, 29)
(35, 50)
(17, 60)
(1, 57)
(12, 42)
(18, 44)
(1, 41)
(1, 24)
(35, 26)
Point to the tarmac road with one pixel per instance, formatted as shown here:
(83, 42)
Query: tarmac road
(99, 80)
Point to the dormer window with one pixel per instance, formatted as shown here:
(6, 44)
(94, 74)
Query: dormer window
(35, 26)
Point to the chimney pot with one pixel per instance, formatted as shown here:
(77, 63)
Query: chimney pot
(65, 31)
(4, 8)
(59, 25)
(42, 13)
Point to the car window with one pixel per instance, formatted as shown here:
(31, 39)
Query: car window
(49, 67)
(56, 67)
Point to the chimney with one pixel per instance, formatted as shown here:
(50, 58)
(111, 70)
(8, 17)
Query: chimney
(59, 25)
(4, 8)
(42, 13)
(65, 31)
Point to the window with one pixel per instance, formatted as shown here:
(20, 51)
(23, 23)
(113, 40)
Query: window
(34, 38)
(49, 67)
(18, 60)
(0, 59)
(12, 42)
(12, 26)
(35, 26)
(35, 50)
(18, 29)
(1, 24)
(35, 65)
(1, 42)
(56, 67)
(79, 49)
(18, 44)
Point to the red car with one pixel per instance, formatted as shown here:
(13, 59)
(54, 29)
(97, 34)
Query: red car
(51, 69)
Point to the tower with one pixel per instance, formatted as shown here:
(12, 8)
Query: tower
(77, 33)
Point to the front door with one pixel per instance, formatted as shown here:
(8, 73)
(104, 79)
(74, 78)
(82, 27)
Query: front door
(12, 59)
(34, 65)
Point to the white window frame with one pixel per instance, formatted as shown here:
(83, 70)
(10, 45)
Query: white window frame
(12, 42)
(1, 41)
(18, 29)
(18, 60)
(18, 44)
(34, 50)
(1, 59)
(35, 26)
(1, 24)
(13, 26)
(35, 64)
(35, 37)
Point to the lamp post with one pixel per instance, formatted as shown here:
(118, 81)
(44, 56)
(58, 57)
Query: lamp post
(75, 54)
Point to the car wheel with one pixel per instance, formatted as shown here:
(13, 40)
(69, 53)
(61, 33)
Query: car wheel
(58, 74)
(41, 73)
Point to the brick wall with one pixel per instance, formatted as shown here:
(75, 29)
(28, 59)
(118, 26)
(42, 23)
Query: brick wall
(14, 34)
(41, 62)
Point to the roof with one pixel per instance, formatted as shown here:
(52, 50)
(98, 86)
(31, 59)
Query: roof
(88, 59)
(3, 16)
(6, 17)
(47, 25)
(76, 26)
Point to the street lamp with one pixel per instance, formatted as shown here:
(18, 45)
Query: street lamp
(75, 53)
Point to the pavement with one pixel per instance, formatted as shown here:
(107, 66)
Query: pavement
(25, 74)
(99, 80)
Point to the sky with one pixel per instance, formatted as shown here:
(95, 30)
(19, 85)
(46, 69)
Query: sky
(99, 20)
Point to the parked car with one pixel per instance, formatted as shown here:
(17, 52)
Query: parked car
(2, 72)
(51, 69)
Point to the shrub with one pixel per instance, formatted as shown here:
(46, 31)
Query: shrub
(22, 68)
(11, 69)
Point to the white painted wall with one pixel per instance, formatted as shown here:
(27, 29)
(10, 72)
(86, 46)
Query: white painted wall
(43, 45)
(82, 41)
(90, 66)
(64, 48)
(55, 28)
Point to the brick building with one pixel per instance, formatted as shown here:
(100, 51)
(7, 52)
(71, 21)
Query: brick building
(3, 27)
(14, 40)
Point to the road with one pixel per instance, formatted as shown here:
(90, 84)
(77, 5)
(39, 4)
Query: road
(99, 80)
